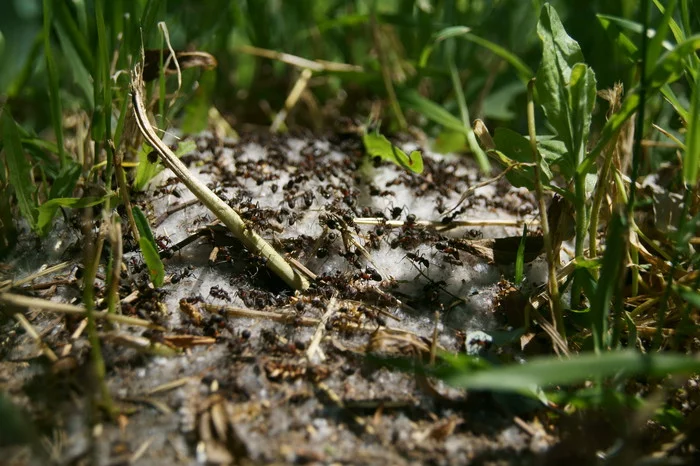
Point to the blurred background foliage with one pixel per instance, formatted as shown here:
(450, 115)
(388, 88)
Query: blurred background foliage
(247, 89)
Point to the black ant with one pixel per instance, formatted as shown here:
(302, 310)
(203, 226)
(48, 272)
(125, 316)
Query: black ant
(420, 259)
(217, 292)
(396, 212)
(185, 272)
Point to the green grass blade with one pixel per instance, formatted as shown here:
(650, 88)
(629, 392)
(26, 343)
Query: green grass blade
(19, 168)
(691, 157)
(47, 210)
(444, 34)
(54, 92)
(612, 28)
(678, 33)
(656, 43)
(520, 258)
(431, 110)
(104, 71)
(81, 75)
(672, 99)
(480, 155)
(611, 272)
(73, 34)
(148, 22)
(149, 248)
(525, 73)
(550, 371)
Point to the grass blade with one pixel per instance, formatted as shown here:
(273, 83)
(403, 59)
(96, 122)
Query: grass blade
(431, 110)
(656, 43)
(691, 158)
(19, 168)
(609, 284)
(149, 248)
(48, 209)
(549, 371)
(520, 258)
(481, 158)
(52, 73)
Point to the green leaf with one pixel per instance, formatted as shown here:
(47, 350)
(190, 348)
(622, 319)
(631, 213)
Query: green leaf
(565, 85)
(691, 157)
(67, 178)
(550, 370)
(149, 249)
(146, 170)
(583, 94)
(517, 148)
(377, 145)
(19, 169)
(48, 209)
(196, 116)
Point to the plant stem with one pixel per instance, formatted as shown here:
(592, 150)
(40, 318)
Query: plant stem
(581, 228)
(555, 303)
(93, 252)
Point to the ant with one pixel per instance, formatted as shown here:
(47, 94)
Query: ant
(372, 313)
(444, 248)
(184, 273)
(368, 274)
(217, 292)
(420, 259)
(396, 212)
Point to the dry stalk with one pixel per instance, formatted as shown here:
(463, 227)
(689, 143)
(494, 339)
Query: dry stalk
(275, 262)
(11, 299)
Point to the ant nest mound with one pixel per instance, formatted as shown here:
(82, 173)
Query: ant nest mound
(253, 364)
(387, 246)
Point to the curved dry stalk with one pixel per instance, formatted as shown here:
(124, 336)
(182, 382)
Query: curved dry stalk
(275, 262)
(21, 301)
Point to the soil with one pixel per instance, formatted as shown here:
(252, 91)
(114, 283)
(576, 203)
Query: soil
(246, 371)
